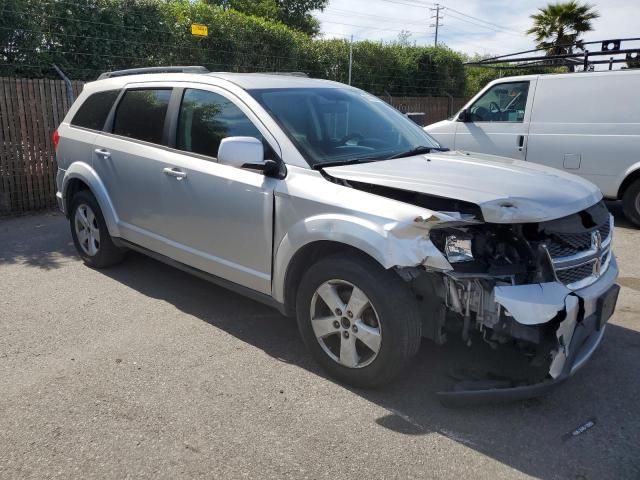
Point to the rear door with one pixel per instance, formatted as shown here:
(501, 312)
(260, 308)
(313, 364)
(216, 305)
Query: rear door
(126, 157)
(498, 121)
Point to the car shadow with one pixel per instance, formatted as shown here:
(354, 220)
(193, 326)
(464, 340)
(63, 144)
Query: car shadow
(529, 436)
(35, 241)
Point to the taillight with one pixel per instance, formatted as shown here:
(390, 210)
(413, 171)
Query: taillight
(55, 137)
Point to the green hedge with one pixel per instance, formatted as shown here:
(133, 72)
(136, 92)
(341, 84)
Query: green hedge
(115, 34)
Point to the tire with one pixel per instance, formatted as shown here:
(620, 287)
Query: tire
(392, 312)
(631, 203)
(96, 249)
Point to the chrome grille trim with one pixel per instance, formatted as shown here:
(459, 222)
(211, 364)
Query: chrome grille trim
(581, 269)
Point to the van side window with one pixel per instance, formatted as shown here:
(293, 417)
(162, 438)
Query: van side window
(504, 102)
(141, 114)
(206, 118)
(95, 109)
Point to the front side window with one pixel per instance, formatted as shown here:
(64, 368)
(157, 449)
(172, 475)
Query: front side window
(95, 109)
(336, 125)
(504, 102)
(141, 114)
(206, 118)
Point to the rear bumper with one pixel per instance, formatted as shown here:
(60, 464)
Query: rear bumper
(60, 201)
(582, 323)
(59, 183)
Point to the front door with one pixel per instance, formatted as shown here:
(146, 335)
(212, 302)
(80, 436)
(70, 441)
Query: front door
(498, 121)
(215, 217)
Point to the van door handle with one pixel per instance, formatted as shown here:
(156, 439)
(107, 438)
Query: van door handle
(103, 152)
(520, 142)
(175, 173)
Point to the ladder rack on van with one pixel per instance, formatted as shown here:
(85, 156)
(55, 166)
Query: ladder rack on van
(539, 57)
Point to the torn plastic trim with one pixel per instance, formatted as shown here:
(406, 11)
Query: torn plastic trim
(532, 304)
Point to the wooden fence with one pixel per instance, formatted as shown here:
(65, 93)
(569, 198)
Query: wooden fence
(434, 108)
(30, 110)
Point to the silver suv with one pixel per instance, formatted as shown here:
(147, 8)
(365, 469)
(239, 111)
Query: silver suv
(323, 201)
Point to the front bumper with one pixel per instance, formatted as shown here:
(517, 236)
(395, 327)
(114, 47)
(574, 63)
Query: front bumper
(581, 331)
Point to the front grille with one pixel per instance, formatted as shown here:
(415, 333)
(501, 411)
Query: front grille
(575, 274)
(565, 244)
(578, 258)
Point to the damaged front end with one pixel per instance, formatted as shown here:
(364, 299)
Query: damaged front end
(539, 293)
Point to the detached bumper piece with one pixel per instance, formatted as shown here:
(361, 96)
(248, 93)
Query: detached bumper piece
(585, 338)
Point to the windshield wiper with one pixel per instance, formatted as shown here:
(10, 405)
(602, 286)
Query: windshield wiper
(339, 163)
(417, 151)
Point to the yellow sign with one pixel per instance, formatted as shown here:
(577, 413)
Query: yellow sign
(199, 30)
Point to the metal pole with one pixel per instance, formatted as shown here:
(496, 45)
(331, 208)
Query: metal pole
(611, 63)
(350, 57)
(435, 44)
(586, 60)
(67, 83)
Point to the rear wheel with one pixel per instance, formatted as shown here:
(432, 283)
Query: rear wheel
(90, 234)
(359, 321)
(631, 202)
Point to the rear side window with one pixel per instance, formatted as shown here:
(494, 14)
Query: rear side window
(141, 114)
(206, 118)
(95, 109)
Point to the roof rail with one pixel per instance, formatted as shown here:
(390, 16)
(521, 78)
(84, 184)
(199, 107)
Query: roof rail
(137, 71)
(288, 74)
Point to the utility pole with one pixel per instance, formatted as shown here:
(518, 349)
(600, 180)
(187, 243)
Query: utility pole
(437, 9)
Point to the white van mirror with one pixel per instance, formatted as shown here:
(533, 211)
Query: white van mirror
(241, 151)
(463, 116)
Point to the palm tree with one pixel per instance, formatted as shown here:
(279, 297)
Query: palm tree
(557, 27)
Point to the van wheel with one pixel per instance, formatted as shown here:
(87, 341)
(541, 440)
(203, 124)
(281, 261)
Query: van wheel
(631, 203)
(359, 321)
(90, 234)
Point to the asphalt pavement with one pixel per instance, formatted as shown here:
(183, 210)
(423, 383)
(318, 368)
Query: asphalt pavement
(142, 371)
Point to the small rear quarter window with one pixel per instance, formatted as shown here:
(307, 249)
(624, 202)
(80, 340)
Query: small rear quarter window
(95, 109)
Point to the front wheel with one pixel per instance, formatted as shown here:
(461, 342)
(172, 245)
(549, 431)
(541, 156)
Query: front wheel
(631, 203)
(359, 321)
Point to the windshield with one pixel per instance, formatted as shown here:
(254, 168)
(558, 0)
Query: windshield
(336, 125)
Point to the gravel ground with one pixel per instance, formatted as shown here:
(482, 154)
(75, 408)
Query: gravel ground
(143, 371)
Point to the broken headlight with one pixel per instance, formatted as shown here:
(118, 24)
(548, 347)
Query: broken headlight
(457, 248)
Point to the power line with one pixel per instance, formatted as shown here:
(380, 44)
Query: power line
(483, 21)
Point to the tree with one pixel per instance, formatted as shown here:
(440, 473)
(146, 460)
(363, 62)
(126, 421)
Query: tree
(560, 24)
(293, 13)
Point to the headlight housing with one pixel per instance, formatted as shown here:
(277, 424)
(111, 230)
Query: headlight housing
(457, 248)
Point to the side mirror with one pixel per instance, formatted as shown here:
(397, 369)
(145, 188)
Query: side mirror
(463, 116)
(240, 151)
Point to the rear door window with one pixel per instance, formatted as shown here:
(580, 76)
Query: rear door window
(141, 114)
(95, 109)
(206, 118)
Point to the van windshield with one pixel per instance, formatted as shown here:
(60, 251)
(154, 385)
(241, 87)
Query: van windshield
(342, 125)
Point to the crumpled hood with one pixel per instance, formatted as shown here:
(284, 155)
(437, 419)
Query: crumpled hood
(506, 190)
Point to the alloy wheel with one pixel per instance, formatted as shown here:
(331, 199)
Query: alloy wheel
(87, 230)
(345, 323)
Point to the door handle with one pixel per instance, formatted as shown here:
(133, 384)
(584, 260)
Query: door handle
(103, 152)
(520, 142)
(175, 173)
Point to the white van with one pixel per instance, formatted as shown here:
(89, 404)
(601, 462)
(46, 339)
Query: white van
(583, 123)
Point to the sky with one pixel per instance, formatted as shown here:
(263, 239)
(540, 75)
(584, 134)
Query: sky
(471, 26)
